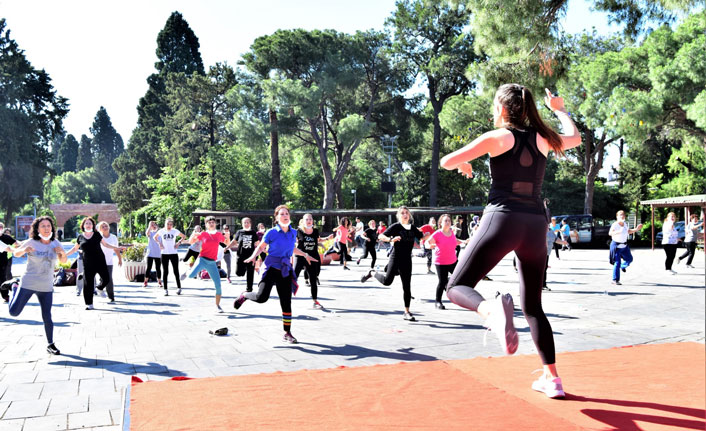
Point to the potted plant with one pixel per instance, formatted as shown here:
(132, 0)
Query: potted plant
(133, 261)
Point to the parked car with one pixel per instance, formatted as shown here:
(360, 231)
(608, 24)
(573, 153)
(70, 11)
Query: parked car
(585, 229)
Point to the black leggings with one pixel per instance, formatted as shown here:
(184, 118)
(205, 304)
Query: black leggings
(690, 251)
(343, 249)
(670, 250)
(157, 266)
(403, 267)
(274, 277)
(189, 254)
(312, 270)
(90, 269)
(174, 259)
(370, 248)
(499, 234)
(247, 269)
(443, 271)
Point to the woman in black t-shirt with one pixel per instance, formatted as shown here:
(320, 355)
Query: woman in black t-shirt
(308, 241)
(402, 235)
(93, 260)
(370, 237)
(246, 239)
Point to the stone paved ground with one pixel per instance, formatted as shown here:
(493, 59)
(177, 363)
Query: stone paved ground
(157, 337)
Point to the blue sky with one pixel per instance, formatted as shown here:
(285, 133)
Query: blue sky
(100, 53)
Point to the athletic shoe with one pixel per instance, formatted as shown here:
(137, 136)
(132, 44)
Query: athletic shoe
(179, 291)
(486, 278)
(90, 307)
(183, 276)
(289, 338)
(500, 321)
(239, 302)
(690, 266)
(78, 291)
(112, 301)
(545, 287)
(439, 305)
(220, 310)
(673, 272)
(102, 293)
(366, 277)
(249, 289)
(53, 350)
(409, 316)
(159, 283)
(551, 388)
(346, 268)
(318, 306)
(144, 284)
(678, 260)
(616, 282)
(166, 292)
(306, 280)
(624, 269)
(228, 278)
(429, 271)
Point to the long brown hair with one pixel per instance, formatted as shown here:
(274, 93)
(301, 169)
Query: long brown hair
(522, 112)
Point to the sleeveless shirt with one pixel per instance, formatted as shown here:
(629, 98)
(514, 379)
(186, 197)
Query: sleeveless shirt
(517, 176)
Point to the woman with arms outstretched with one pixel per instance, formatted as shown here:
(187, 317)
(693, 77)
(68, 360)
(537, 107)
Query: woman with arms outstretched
(514, 219)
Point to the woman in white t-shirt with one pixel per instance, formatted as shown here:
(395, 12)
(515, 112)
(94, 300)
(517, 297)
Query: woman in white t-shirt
(670, 240)
(620, 256)
(168, 243)
(42, 251)
(111, 239)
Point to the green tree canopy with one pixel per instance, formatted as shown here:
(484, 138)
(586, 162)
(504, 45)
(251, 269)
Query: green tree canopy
(85, 154)
(107, 144)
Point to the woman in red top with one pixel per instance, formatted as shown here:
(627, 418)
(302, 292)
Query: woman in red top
(210, 241)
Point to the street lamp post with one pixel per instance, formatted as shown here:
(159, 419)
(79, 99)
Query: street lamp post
(355, 198)
(34, 204)
(388, 147)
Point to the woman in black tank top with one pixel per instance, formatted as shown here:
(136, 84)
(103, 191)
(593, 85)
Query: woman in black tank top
(514, 219)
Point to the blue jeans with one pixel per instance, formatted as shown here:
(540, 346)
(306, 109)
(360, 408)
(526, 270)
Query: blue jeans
(624, 255)
(210, 266)
(20, 299)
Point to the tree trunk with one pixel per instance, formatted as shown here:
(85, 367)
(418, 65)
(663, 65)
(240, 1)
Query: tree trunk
(274, 154)
(435, 148)
(593, 162)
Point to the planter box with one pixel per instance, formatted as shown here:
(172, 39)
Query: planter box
(131, 269)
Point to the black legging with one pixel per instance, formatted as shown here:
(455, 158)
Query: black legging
(157, 266)
(403, 267)
(343, 249)
(690, 251)
(312, 270)
(499, 234)
(273, 277)
(370, 248)
(189, 254)
(90, 269)
(247, 269)
(174, 259)
(670, 250)
(442, 272)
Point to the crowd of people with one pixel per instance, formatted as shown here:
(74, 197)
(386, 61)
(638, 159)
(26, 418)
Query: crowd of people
(516, 219)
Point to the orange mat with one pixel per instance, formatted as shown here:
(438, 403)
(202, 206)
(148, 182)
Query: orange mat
(654, 387)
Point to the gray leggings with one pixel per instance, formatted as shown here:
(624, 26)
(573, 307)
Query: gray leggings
(499, 234)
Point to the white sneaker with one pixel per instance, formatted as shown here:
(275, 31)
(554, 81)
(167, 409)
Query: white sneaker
(179, 291)
(551, 388)
(690, 266)
(78, 291)
(500, 322)
(90, 307)
(102, 293)
(220, 310)
(673, 272)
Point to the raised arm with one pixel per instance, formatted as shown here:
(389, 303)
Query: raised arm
(571, 137)
(488, 143)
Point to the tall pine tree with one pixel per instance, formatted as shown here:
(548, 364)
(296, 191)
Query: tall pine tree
(85, 154)
(31, 115)
(66, 155)
(177, 51)
(107, 145)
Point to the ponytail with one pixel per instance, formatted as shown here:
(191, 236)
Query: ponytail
(522, 112)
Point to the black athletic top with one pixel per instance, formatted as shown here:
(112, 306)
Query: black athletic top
(308, 242)
(91, 248)
(246, 242)
(517, 176)
(373, 236)
(403, 247)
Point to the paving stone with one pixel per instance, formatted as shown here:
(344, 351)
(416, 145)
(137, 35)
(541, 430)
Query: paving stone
(74, 404)
(67, 388)
(46, 423)
(26, 409)
(54, 374)
(11, 424)
(23, 391)
(96, 418)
